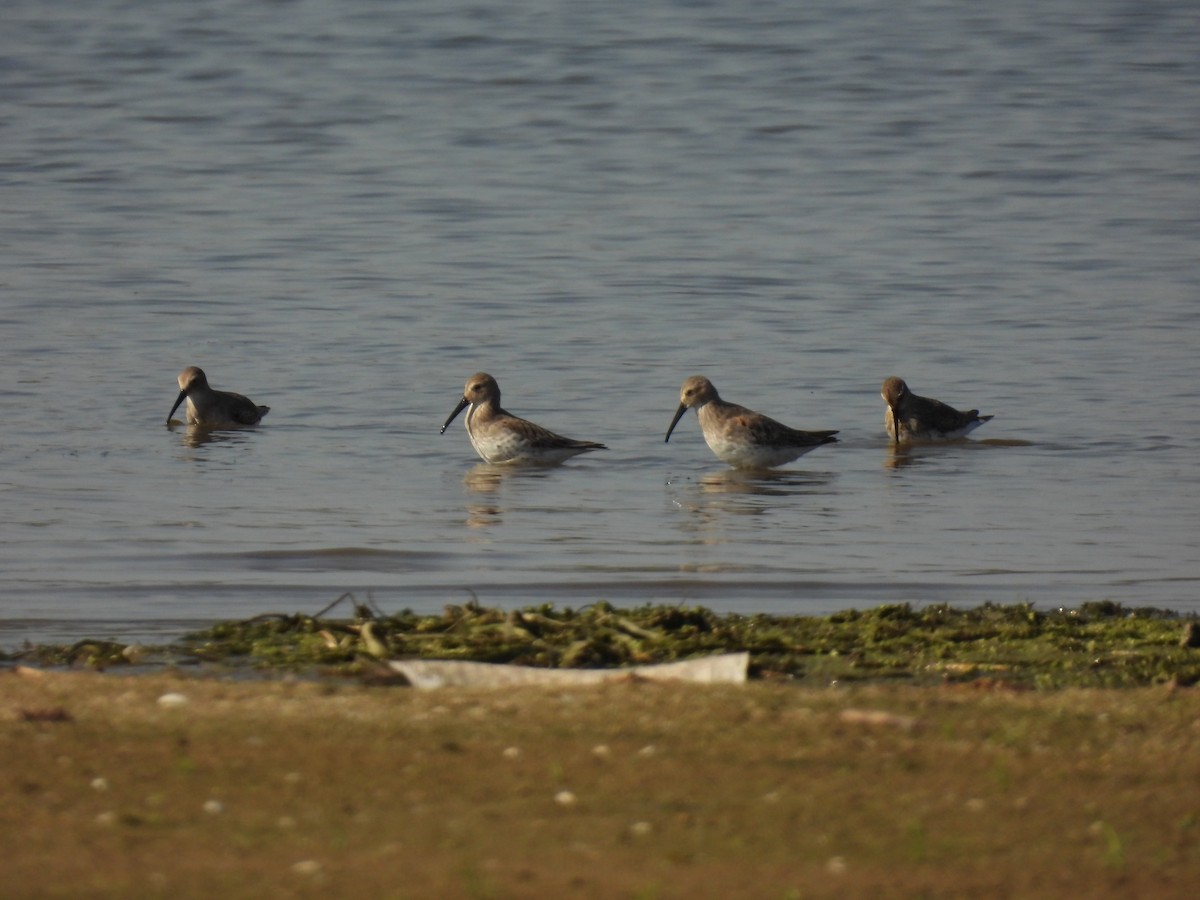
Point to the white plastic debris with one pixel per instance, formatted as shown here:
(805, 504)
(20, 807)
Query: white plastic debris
(727, 668)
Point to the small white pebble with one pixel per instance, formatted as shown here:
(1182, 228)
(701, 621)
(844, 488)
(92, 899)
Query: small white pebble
(640, 829)
(648, 750)
(836, 865)
(99, 784)
(771, 797)
(306, 867)
(172, 700)
(565, 798)
(602, 751)
(214, 807)
(511, 752)
(107, 819)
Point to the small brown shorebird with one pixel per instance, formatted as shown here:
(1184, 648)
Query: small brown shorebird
(913, 418)
(741, 437)
(215, 409)
(500, 437)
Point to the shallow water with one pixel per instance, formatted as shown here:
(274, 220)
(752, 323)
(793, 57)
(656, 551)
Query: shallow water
(343, 210)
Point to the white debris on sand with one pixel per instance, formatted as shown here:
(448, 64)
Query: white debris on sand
(726, 668)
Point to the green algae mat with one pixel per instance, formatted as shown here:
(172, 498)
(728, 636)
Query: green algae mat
(1096, 645)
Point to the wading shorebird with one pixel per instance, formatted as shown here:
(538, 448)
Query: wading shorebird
(741, 437)
(215, 409)
(909, 417)
(500, 437)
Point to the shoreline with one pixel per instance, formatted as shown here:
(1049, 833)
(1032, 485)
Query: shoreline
(930, 752)
(1095, 645)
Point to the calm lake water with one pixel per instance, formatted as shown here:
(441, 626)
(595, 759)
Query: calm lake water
(344, 209)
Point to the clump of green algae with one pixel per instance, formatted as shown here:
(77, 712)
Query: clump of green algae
(1096, 645)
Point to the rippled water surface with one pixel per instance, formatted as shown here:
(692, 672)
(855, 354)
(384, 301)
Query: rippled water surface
(345, 209)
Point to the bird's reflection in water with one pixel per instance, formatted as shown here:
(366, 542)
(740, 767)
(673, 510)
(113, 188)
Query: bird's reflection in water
(908, 453)
(195, 436)
(900, 455)
(484, 479)
(763, 482)
(485, 484)
(749, 492)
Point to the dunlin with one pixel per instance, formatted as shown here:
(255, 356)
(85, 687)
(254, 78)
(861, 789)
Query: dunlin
(739, 436)
(909, 417)
(215, 409)
(500, 437)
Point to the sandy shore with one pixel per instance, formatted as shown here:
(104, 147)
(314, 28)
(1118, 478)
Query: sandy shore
(165, 785)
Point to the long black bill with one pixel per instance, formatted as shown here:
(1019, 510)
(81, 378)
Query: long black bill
(182, 396)
(462, 404)
(675, 421)
(896, 425)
